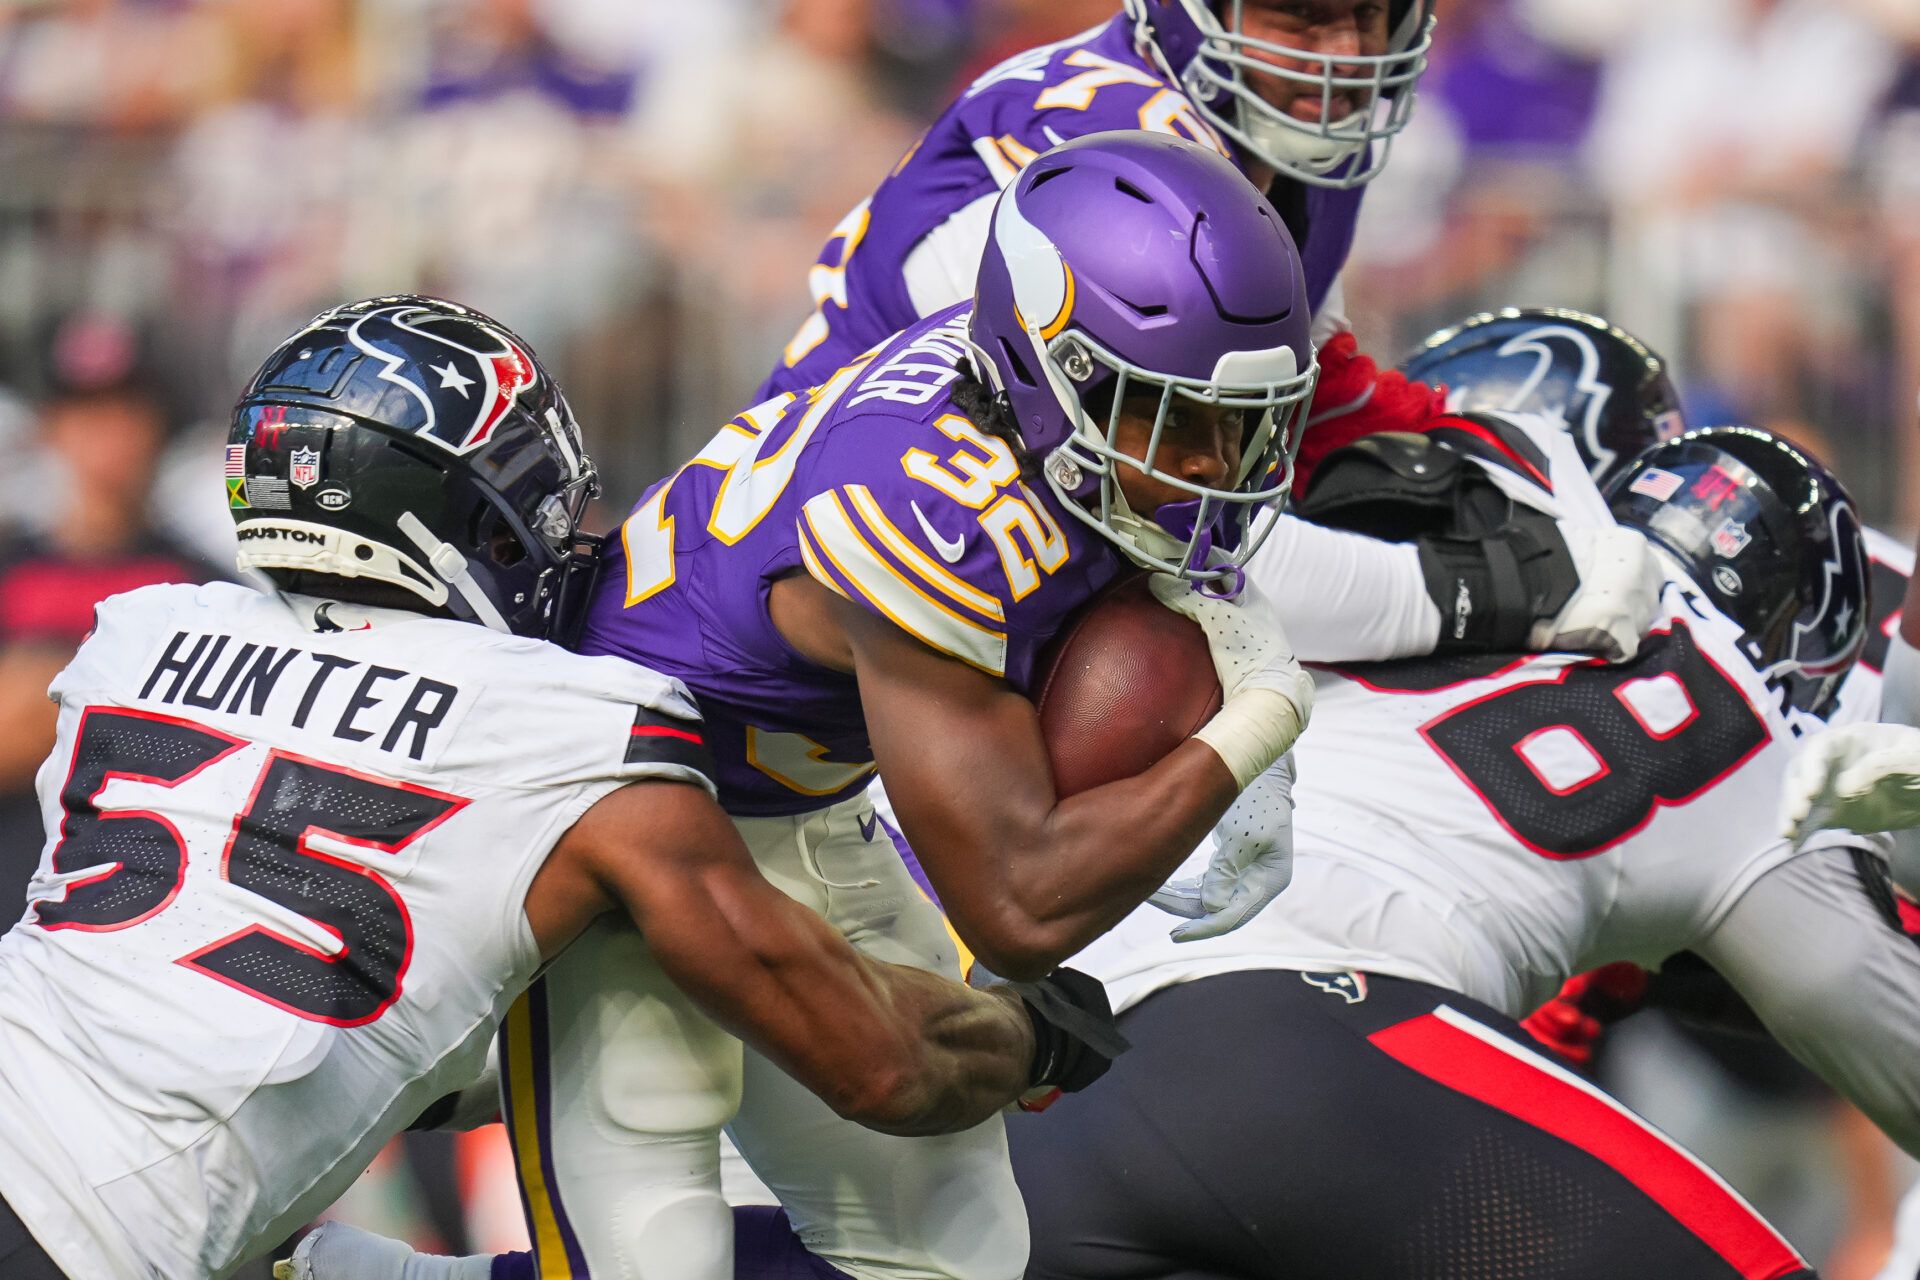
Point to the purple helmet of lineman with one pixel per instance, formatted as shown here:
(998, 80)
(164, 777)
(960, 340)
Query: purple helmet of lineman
(1134, 273)
(1301, 94)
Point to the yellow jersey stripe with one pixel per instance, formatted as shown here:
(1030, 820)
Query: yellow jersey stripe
(895, 597)
(524, 1106)
(961, 593)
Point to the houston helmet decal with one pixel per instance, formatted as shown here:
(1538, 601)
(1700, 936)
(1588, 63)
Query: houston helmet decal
(465, 395)
(1538, 342)
(1840, 549)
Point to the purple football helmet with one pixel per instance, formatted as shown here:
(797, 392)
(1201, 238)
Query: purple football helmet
(1202, 46)
(1130, 262)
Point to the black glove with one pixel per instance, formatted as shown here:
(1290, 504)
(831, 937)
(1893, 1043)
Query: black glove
(1075, 1039)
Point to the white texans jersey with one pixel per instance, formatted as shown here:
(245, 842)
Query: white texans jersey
(282, 905)
(1889, 565)
(1495, 824)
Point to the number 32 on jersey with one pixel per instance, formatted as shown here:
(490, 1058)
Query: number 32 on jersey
(758, 452)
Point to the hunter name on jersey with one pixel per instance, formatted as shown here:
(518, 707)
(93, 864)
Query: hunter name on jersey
(878, 487)
(398, 711)
(913, 248)
(313, 848)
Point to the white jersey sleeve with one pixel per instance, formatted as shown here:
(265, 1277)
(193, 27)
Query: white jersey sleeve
(1345, 596)
(1349, 598)
(282, 905)
(942, 269)
(1331, 316)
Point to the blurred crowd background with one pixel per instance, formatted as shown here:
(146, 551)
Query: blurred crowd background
(639, 186)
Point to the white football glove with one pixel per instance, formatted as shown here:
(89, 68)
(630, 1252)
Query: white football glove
(1616, 601)
(1265, 696)
(1859, 777)
(1252, 861)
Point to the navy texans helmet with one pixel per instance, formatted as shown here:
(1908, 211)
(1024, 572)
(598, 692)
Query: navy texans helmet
(1335, 132)
(1771, 538)
(1603, 384)
(418, 444)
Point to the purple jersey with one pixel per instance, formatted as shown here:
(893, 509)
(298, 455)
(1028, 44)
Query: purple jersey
(880, 489)
(914, 246)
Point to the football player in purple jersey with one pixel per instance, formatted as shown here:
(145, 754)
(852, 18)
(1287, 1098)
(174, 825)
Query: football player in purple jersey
(268, 929)
(860, 579)
(1304, 97)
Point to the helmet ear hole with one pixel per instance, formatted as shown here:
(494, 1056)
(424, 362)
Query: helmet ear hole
(505, 549)
(1017, 365)
(489, 530)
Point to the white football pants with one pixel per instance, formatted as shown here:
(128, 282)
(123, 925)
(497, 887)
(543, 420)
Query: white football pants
(616, 1088)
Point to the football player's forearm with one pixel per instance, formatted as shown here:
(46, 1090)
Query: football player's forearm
(886, 1046)
(976, 1053)
(1346, 597)
(1094, 858)
(1027, 878)
(893, 1048)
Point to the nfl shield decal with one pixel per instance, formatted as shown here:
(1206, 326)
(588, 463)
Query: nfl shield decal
(1730, 539)
(304, 470)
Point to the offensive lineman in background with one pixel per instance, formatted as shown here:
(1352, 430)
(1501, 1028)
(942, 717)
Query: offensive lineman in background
(1305, 99)
(309, 845)
(1514, 821)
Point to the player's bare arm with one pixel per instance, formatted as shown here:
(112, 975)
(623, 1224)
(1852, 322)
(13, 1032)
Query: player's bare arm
(894, 1048)
(1026, 877)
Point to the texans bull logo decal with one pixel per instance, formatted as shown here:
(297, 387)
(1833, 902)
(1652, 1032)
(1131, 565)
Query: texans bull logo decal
(465, 388)
(1349, 986)
(1565, 383)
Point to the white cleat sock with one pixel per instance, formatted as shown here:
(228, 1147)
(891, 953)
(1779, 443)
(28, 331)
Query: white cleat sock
(336, 1251)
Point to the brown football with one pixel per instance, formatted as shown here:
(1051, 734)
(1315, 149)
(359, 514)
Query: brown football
(1126, 681)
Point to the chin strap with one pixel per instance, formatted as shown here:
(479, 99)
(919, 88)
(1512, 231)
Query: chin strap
(451, 567)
